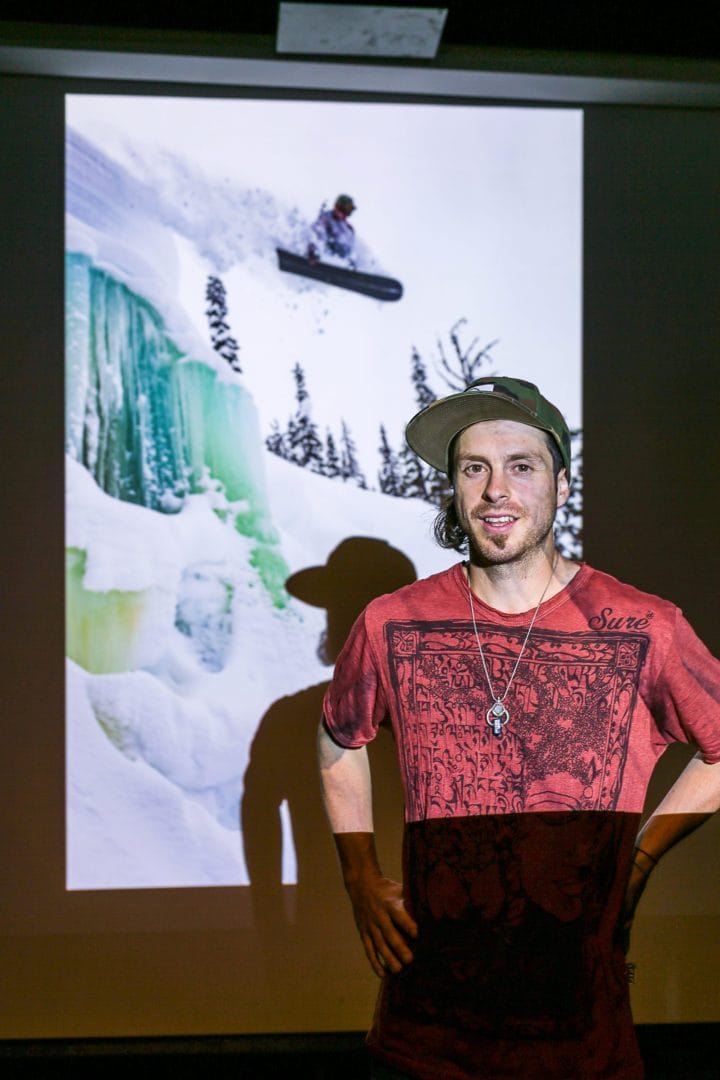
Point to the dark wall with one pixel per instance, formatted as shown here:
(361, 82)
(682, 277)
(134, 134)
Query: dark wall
(652, 344)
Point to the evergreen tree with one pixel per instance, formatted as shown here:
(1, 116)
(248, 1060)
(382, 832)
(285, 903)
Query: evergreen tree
(332, 458)
(424, 395)
(349, 467)
(222, 340)
(389, 474)
(275, 441)
(411, 473)
(437, 487)
(301, 444)
(304, 446)
(301, 391)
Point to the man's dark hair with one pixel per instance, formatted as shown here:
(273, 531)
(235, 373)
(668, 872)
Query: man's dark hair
(447, 530)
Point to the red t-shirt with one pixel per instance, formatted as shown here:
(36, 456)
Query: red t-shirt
(517, 846)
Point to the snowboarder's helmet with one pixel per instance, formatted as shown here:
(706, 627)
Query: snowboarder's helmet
(345, 203)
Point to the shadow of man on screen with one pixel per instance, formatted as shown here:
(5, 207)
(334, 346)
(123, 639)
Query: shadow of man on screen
(282, 765)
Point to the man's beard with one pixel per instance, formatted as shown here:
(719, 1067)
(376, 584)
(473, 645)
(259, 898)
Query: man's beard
(496, 550)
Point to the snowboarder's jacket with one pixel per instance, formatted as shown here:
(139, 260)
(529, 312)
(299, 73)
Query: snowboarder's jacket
(332, 235)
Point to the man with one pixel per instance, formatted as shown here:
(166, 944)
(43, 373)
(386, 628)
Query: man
(332, 233)
(530, 697)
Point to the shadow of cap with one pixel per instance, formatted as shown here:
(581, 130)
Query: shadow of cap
(359, 569)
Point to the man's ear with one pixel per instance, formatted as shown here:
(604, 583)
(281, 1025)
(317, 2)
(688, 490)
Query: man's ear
(563, 488)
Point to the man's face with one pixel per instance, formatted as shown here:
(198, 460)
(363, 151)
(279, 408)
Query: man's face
(506, 494)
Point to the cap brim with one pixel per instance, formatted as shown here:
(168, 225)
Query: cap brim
(431, 431)
(357, 571)
(310, 585)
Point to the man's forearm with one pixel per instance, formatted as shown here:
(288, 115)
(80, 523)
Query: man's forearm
(347, 793)
(692, 799)
(382, 921)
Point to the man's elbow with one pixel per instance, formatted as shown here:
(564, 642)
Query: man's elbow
(329, 751)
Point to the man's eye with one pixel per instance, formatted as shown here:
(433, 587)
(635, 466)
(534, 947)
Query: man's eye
(472, 468)
(523, 467)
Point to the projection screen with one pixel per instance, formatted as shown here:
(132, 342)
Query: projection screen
(231, 423)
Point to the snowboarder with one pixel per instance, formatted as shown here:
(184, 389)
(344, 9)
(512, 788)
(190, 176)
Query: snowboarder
(330, 256)
(332, 233)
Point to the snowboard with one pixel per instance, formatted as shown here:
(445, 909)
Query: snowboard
(381, 288)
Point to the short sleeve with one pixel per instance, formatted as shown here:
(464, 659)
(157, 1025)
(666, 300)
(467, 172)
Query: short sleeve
(355, 704)
(686, 706)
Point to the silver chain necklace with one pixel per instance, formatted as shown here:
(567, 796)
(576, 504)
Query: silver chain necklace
(497, 715)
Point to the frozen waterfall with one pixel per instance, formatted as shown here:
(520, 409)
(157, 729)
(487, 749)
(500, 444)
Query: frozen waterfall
(153, 426)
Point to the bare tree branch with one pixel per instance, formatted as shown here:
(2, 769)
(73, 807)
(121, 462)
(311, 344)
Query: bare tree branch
(467, 361)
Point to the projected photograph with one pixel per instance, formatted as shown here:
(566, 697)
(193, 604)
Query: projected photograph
(259, 295)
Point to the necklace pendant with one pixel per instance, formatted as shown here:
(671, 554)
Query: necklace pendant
(497, 717)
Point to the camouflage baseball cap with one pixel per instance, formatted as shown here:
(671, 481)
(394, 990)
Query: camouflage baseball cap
(495, 397)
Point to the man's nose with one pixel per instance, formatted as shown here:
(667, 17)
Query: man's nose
(496, 488)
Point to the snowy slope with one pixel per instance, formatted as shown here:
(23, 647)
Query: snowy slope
(156, 756)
